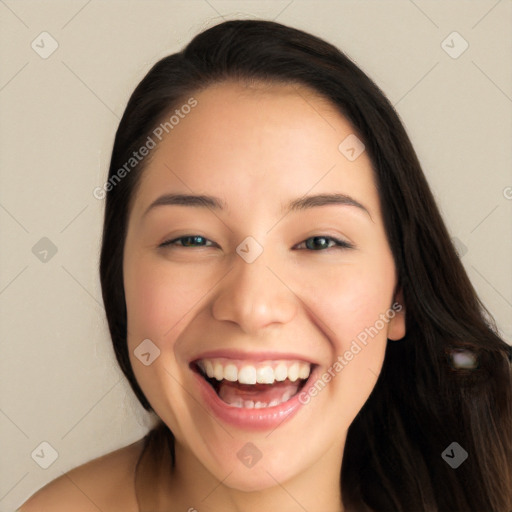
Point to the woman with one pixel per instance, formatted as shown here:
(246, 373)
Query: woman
(282, 292)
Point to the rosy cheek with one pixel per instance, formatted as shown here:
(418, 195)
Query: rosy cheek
(147, 300)
(342, 301)
(159, 299)
(352, 302)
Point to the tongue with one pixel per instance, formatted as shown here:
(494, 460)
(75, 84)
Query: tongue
(232, 391)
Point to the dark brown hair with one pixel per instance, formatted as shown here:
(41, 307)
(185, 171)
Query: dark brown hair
(421, 402)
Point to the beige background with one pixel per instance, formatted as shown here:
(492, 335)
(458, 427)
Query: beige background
(60, 383)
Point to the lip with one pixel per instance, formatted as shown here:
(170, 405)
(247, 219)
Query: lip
(252, 419)
(252, 357)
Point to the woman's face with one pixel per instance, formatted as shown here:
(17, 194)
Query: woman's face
(252, 288)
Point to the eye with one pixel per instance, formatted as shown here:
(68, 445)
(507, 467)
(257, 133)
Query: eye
(318, 243)
(188, 241)
(314, 243)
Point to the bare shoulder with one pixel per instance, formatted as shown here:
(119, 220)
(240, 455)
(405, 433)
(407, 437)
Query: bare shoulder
(104, 483)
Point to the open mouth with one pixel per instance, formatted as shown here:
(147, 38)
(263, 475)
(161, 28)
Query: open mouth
(254, 385)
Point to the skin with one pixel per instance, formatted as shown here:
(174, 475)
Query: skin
(105, 483)
(257, 148)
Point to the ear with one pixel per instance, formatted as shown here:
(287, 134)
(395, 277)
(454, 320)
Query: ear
(396, 326)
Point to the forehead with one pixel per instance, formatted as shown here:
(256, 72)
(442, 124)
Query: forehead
(254, 141)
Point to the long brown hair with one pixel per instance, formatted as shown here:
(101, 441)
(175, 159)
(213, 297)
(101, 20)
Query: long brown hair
(422, 402)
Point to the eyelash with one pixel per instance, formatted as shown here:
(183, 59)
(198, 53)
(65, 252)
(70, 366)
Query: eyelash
(338, 244)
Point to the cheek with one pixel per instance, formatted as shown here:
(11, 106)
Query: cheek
(160, 297)
(348, 304)
(160, 301)
(350, 299)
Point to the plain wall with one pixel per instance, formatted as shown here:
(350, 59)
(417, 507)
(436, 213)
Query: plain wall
(60, 381)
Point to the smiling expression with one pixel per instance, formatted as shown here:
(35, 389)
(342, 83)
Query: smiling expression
(255, 255)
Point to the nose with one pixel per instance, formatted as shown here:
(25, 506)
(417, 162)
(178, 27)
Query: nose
(254, 296)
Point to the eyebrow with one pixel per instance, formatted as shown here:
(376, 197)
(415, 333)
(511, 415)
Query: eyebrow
(324, 200)
(215, 203)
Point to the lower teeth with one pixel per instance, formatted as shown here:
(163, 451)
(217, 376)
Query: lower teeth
(246, 396)
(250, 404)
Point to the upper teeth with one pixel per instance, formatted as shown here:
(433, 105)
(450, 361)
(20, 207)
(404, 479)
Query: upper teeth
(265, 372)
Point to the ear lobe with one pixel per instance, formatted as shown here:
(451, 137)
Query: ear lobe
(396, 326)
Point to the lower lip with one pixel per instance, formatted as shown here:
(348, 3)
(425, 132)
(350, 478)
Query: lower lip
(255, 419)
